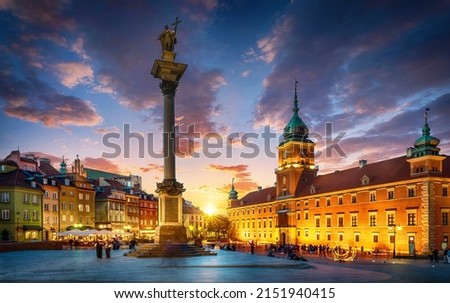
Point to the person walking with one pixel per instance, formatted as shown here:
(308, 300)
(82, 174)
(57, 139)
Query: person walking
(108, 247)
(99, 249)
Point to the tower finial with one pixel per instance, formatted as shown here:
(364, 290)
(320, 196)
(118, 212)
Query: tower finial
(295, 108)
(426, 128)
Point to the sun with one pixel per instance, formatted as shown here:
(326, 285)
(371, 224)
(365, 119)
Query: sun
(210, 210)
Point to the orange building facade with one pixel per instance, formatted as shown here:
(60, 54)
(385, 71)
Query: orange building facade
(400, 205)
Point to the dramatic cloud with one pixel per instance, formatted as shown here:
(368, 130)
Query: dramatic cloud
(358, 74)
(74, 73)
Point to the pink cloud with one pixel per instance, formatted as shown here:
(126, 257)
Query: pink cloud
(152, 167)
(74, 73)
(101, 164)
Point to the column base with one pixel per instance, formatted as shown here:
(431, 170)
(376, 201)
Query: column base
(170, 234)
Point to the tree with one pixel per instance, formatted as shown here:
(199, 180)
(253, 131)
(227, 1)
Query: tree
(218, 225)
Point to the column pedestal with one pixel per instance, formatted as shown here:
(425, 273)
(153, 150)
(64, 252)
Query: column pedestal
(170, 228)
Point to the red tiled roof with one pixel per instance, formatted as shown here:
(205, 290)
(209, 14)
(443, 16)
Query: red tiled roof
(383, 172)
(48, 169)
(256, 197)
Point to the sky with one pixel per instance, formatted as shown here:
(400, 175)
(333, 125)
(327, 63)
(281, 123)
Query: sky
(75, 80)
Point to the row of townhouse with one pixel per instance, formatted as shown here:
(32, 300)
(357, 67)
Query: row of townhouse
(37, 201)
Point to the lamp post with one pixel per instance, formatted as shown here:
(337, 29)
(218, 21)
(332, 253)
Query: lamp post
(17, 226)
(394, 227)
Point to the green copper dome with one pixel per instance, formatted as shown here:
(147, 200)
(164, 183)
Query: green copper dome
(232, 194)
(296, 129)
(427, 144)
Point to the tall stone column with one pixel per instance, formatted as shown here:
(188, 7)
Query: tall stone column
(170, 228)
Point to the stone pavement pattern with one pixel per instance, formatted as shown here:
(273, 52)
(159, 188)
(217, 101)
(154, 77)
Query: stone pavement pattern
(226, 267)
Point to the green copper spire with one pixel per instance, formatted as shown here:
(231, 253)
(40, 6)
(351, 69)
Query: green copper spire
(296, 129)
(63, 167)
(426, 145)
(233, 194)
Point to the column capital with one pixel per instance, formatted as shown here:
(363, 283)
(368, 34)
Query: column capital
(170, 187)
(168, 88)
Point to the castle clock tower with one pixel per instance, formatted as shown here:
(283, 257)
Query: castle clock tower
(295, 155)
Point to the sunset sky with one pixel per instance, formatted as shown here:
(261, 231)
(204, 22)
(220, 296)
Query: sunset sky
(73, 72)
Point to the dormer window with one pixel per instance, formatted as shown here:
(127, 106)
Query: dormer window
(269, 197)
(312, 189)
(45, 181)
(365, 180)
(33, 184)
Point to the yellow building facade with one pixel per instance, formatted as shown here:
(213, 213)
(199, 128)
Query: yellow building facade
(400, 205)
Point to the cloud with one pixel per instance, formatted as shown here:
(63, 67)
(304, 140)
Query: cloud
(48, 13)
(74, 73)
(243, 182)
(52, 110)
(101, 164)
(358, 74)
(152, 167)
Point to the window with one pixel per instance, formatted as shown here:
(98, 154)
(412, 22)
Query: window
(445, 218)
(340, 220)
(340, 200)
(80, 207)
(71, 206)
(25, 198)
(391, 218)
(373, 196)
(317, 236)
(328, 221)
(328, 201)
(373, 219)
(5, 197)
(88, 209)
(375, 238)
(328, 236)
(317, 219)
(357, 236)
(341, 237)
(26, 215)
(390, 194)
(353, 198)
(35, 199)
(391, 238)
(67, 182)
(411, 191)
(317, 203)
(46, 207)
(71, 193)
(55, 208)
(354, 218)
(306, 215)
(55, 195)
(411, 218)
(80, 196)
(45, 181)
(445, 191)
(35, 215)
(64, 205)
(5, 214)
(46, 194)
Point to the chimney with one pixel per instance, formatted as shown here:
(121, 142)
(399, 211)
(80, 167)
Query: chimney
(259, 188)
(362, 163)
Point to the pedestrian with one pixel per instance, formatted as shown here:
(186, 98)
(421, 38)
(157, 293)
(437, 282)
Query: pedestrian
(108, 247)
(99, 249)
(436, 255)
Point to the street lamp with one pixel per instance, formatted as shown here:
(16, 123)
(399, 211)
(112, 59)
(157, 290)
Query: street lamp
(394, 228)
(17, 226)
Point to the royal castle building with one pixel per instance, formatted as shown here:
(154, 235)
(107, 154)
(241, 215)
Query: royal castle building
(400, 205)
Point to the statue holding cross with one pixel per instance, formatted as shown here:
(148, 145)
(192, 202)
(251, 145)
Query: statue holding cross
(168, 37)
